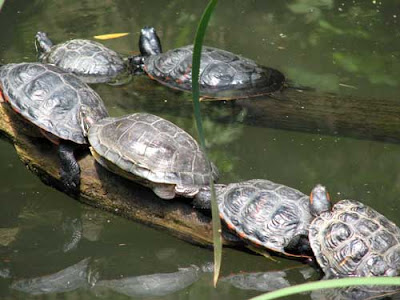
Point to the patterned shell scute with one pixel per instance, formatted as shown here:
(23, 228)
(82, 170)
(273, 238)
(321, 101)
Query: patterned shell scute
(85, 58)
(50, 98)
(355, 240)
(266, 213)
(151, 147)
(219, 71)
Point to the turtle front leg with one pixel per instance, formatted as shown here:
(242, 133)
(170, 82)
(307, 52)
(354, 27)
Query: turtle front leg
(136, 64)
(299, 245)
(69, 171)
(202, 200)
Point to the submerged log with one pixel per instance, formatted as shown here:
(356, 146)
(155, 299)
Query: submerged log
(333, 114)
(103, 189)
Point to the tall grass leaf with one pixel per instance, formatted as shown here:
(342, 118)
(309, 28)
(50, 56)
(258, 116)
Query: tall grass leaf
(328, 284)
(198, 42)
(110, 36)
(1, 3)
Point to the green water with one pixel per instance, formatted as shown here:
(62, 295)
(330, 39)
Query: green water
(329, 45)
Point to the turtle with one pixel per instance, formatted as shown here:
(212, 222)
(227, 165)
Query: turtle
(223, 75)
(153, 152)
(56, 102)
(266, 214)
(351, 239)
(91, 61)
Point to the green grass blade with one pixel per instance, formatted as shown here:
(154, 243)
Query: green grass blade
(327, 284)
(1, 3)
(198, 43)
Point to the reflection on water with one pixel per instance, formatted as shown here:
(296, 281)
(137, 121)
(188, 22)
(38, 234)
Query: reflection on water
(69, 279)
(150, 285)
(84, 275)
(357, 293)
(269, 281)
(344, 47)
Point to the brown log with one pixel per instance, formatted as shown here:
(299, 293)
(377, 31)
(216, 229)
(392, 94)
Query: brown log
(294, 110)
(103, 189)
(333, 114)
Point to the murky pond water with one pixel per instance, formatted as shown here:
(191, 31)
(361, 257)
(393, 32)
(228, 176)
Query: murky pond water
(344, 47)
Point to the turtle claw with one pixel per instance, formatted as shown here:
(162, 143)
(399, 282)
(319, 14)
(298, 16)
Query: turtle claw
(70, 182)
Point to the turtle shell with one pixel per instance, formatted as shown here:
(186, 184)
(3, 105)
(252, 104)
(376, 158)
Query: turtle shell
(222, 73)
(51, 98)
(153, 149)
(265, 213)
(355, 240)
(91, 61)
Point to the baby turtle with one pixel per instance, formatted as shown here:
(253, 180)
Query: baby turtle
(57, 102)
(152, 151)
(223, 75)
(91, 61)
(267, 214)
(352, 239)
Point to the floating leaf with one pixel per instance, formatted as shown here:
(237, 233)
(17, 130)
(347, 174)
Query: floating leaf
(110, 35)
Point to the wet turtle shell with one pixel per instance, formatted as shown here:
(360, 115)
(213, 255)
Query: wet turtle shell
(51, 99)
(91, 61)
(355, 240)
(57, 102)
(265, 213)
(223, 75)
(152, 151)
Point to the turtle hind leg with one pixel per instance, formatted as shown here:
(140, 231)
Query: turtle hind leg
(299, 245)
(164, 191)
(69, 171)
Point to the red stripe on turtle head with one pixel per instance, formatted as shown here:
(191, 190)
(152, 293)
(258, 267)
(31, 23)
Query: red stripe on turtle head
(2, 96)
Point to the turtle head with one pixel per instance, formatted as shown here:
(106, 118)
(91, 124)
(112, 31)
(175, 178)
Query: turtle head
(319, 200)
(86, 120)
(42, 43)
(149, 42)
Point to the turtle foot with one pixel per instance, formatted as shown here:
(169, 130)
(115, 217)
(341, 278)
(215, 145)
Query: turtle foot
(69, 171)
(70, 182)
(165, 192)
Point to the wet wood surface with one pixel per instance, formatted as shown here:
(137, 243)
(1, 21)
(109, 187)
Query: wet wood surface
(315, 112)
